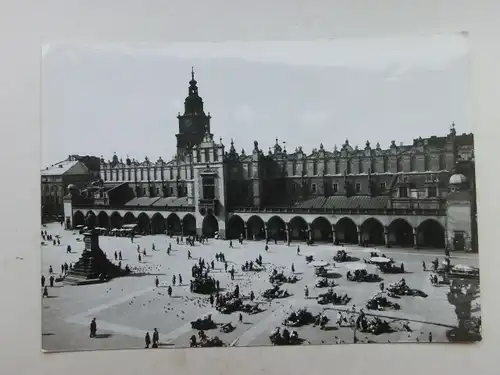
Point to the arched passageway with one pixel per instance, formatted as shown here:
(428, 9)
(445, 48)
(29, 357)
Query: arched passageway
(78, 219)
(235, 228)
(103, 220)
(158, 224)
(372, 232)
(210, 226)
(430, 233)
(144, 223)
(90, 220)
(321, 230)
(189, 225)
(400, 233)
(276, 228)
(298, 229)
(129, 218)
(256, 228)
(346, 231)
(174, 226)
(116, 220)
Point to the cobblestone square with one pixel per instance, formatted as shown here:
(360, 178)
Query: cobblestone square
(126, 308)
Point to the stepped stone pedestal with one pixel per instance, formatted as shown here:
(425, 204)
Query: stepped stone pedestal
(93, 265)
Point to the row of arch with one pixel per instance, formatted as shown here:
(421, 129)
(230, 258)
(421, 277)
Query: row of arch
(158, 224)
(430, 233)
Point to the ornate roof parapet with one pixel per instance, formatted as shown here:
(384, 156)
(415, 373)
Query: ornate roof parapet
(377, 147)
(277, 147)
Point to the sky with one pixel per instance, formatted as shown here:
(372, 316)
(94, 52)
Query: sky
(124, 99)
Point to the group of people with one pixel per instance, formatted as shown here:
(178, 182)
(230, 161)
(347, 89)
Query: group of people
(48, 237)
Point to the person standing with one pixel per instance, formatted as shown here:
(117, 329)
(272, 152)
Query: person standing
(51, 281)
(173, 280)
(157, 282)
(156, 338)
(180, 279)
(169, 291)
(147, 340)
(93, 328)
(43, 281)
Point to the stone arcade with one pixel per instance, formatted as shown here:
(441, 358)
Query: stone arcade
(417, 195)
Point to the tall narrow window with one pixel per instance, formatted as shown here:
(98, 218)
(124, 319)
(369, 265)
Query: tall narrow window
(431, 192)
(208, 187)
(358, 187)
(314, 188)
(403, 192)
(315, 168)
(216, 156)
(207, 155)
(335, 188)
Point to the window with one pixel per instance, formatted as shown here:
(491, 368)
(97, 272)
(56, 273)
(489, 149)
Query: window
(314, 188)
(171, 174)
(208, 188)
(171, 191)
(358, 187)
(207, 155)
(157, 191)
(294, 168)
(250, 170)
(144, 191)
(431, 192)
(403, 192)
(216, 156)
(315, 168)
(382, 186)
(335, 188)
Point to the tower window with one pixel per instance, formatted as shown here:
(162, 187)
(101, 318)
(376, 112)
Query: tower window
(171, 191)
(315, 168)
(335, 188)
(358, 187)
(216, 156)
(403, 192)
(157, 191)
(382, 186)
(431, 192)
(314, 188)
(207, 155)
(208, 188)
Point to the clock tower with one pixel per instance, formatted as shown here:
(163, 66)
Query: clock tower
(194, 123)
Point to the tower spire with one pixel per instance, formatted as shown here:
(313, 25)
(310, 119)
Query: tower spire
(192, 73)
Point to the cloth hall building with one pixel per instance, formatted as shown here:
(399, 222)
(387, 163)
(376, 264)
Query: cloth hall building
(416, 195)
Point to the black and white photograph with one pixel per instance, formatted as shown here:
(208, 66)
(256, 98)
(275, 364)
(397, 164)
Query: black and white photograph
(246, 194)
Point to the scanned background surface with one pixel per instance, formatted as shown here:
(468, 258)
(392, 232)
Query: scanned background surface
(28, 24)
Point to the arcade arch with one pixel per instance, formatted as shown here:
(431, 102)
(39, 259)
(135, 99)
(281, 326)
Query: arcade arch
(189, 225)
(158, 224)
(321, 230)
(256, 228)
(103, 220)
(174, 224)
(78, 219)
(430, 233)
(210, 226)
(129, 218)
(372, 232)
(346, 231)
(116, 220)
(144, 223)
(400, 233)
(235, 228)
(299, 230)
(276, 228)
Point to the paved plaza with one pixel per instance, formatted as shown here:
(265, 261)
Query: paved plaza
(128, 307)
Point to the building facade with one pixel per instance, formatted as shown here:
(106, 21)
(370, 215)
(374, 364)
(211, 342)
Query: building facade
(54, 182)
(420, 195)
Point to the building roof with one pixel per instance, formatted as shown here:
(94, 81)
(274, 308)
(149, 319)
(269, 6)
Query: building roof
(141, 201)
(172, 202)
(343, 202)
(65, 167)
